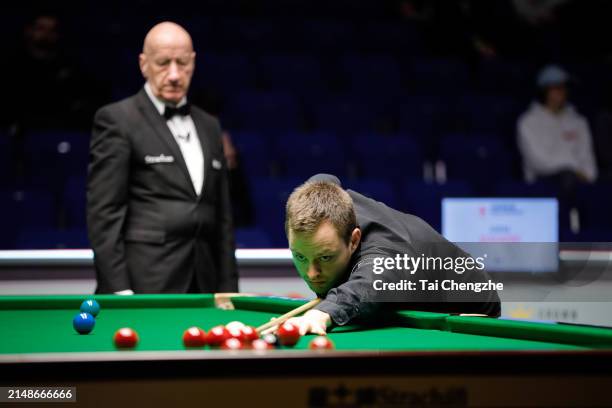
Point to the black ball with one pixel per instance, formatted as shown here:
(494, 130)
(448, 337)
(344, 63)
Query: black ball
(271, 339)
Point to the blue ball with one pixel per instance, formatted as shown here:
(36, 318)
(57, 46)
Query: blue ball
(83, 323)
(90, 306)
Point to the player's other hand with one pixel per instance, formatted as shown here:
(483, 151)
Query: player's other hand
(313, 321)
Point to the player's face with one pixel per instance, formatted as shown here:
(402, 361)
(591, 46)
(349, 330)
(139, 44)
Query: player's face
(168, 68)
(322, 257)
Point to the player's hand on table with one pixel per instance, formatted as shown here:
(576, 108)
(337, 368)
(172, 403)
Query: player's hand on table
(125, 292)
(313, 321)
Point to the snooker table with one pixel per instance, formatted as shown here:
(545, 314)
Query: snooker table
(416, 359)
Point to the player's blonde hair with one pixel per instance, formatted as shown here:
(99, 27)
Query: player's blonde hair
(316, 201)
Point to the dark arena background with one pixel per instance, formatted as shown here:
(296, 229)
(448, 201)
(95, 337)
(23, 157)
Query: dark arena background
(456, 111)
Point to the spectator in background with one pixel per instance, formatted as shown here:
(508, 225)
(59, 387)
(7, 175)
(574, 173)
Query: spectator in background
(53, 91)
(554, 139)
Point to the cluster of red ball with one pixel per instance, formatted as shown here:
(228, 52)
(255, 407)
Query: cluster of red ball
(236, 336)
(233, 336)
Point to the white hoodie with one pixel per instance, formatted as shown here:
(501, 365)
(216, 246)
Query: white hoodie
(550, 143)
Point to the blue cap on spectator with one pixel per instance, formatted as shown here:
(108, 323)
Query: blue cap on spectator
(552, 75)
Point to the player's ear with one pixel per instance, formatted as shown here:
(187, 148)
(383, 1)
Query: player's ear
(355, 239)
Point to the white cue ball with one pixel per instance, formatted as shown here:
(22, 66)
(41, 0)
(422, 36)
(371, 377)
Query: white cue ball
(235, 325)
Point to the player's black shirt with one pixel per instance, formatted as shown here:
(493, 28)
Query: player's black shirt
(386, 233)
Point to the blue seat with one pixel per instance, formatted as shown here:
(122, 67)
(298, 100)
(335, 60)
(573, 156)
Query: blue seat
(270, 197)
(265, 111)
(255, 153)
(74, 202)
(126, 76)
(29, 208)
(377, 189)
(595, 202)
(589, 234)
(390, 37)
(425, 114)
(243, 33)
(481, 160)
(25, 209)
(252, 238)
(326, 35)
(425, 200)
(305, 154)
(291, 72)
(226, 73)
(489, 113)
(391, 157)
(461, 144)
(371, 72)
(44, 238)
(438, 75)
(53, 156)
(345, 116)
(507, 77)
(509, 188)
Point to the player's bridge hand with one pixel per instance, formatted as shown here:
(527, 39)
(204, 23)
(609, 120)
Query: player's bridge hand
(313, 321)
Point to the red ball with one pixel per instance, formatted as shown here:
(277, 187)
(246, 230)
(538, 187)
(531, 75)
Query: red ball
(249, 334)
(232, 344)
(261, 344)
(288, 334)
(236, 333)
(217, 335)
(321, 343)
(194, 337)
(125, 338)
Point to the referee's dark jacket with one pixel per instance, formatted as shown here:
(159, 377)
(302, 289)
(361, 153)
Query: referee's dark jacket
(149, 230)
(386, 233)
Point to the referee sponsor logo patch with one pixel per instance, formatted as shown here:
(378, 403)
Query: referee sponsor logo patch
(159, 159)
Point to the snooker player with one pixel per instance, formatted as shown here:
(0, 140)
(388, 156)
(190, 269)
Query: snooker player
(336, 237)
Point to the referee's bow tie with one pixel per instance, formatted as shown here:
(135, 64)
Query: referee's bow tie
(170, 111)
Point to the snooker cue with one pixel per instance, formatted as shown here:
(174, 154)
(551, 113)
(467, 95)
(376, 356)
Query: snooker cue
(282, 319)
